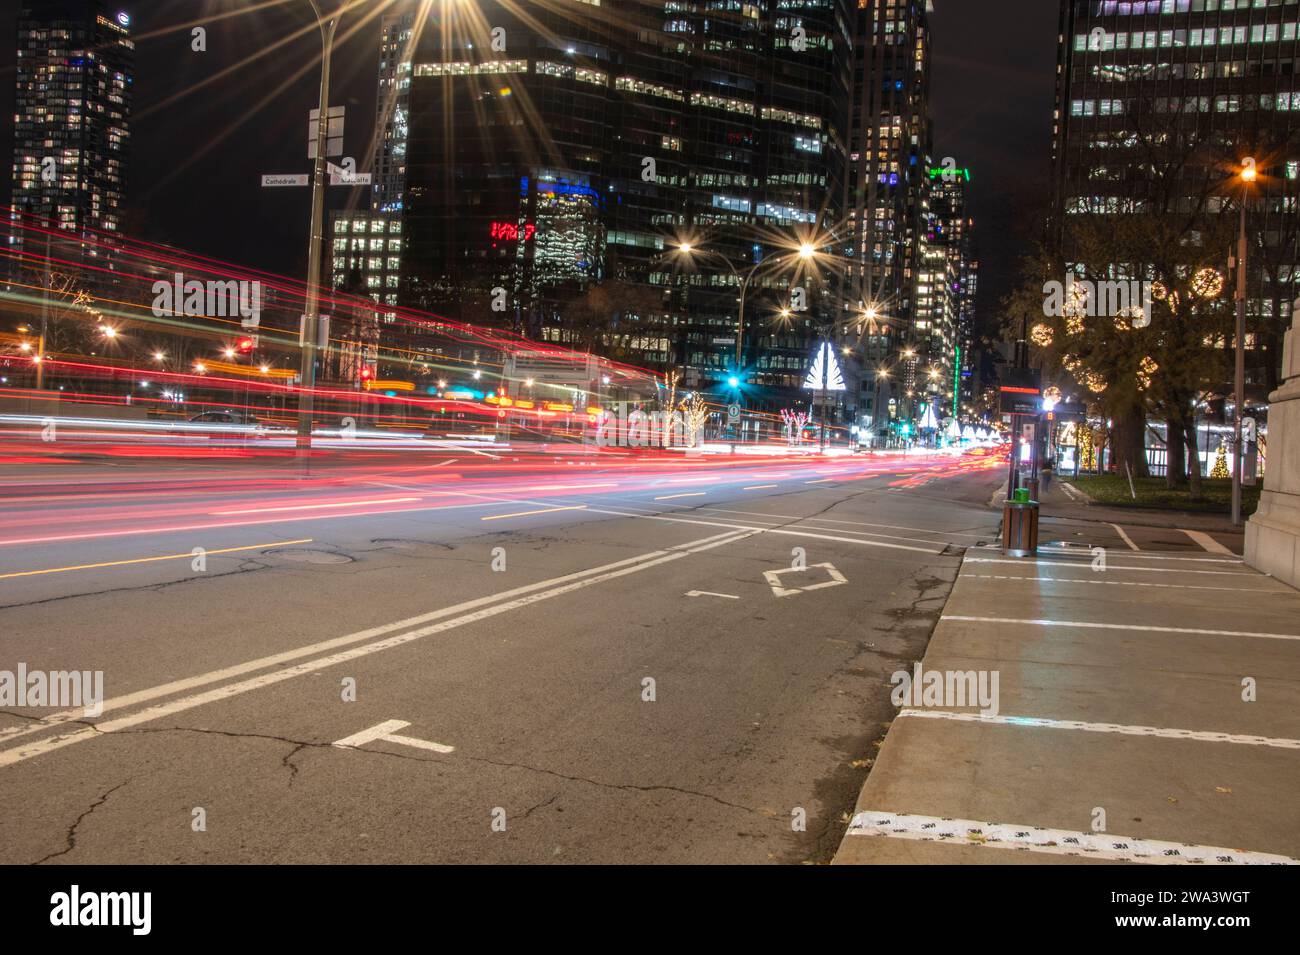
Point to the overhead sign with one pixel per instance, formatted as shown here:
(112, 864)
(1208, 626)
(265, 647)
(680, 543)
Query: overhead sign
(285, 179)
(333, 131)
(1017, 400)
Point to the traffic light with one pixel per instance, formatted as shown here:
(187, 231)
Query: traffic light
(367, 373)
(246, 344)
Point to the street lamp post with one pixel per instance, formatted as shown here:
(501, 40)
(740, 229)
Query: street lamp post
(311, 316)
(805, 251)
(1247, 175)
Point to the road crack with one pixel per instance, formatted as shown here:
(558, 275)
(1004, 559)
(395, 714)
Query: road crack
(71, 835)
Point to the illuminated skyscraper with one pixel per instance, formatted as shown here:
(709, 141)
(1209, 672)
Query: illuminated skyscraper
(72, 106)
(397, 31)
(890, 159)
(576, 148)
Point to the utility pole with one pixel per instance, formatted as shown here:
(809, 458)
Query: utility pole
(1239, 370)
(311, 314)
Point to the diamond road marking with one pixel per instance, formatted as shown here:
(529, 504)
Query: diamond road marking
(773, 578)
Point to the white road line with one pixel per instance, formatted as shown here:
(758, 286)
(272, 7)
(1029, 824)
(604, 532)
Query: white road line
(279, 659)
(1160, 732)
(1080, 565)
(1132, 583)
(567, 487)
(1073, 492)
(1127, 540)
(1077, 549)
(316, 507)
(1061, 842)
(1207, 542)
(828, 520)
(769, 530)
(177, 528)
(1088, 625)
(757, 487)
(709, 593)
(387, 732)
(495, 605)
(789, 528)
(669, 497)
(540, 510)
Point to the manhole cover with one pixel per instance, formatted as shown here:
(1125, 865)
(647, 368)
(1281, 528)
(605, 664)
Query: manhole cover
(304, 556)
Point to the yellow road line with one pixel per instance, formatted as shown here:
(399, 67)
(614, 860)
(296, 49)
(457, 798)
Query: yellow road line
(544, 510)
(149, 560)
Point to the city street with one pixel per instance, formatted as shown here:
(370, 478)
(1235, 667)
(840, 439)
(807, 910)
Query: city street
(224, 687)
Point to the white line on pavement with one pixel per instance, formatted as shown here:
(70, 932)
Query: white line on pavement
(496, 605)
(387, 732)
(316, 507)
(992, 835)
(1132, 583)
(1127, 540)
(1207, 542)
(279, 659)
(1120, 728)
(1088, 625)
(669, 497)
(542, 510)
(769, 530)
(1109, 567)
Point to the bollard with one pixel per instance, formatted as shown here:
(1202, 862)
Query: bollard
(1020, 527)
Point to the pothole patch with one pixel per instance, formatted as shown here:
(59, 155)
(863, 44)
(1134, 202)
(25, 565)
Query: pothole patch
(306, 555)
(407, 543)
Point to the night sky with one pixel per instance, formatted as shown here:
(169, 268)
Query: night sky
(196, 160)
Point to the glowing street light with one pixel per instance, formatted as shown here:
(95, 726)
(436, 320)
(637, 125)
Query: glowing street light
(1247, 175)
(159, 356)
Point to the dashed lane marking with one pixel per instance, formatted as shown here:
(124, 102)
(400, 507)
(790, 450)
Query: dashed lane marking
(1061, 842)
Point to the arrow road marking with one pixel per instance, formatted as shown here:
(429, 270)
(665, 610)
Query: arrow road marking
(386, 732)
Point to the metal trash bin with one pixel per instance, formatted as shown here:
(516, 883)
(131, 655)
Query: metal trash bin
(1020, 528)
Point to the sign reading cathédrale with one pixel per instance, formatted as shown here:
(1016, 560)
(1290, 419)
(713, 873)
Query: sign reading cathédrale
(285, 179)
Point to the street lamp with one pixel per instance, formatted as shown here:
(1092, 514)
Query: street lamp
(311, 317)
(1247, 174)
(805, 251)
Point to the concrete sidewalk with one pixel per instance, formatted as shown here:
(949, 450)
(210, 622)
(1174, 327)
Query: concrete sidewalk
(1120, 732)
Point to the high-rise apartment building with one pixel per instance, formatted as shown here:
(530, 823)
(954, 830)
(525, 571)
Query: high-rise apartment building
(1137, 80)
(397, 32)
(565, 151)
(72, 107)
(947, 326)
(890, 147)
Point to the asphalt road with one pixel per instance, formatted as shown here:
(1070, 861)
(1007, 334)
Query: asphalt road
(552, 660)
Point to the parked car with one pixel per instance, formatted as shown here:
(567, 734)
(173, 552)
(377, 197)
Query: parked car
(229, 424)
